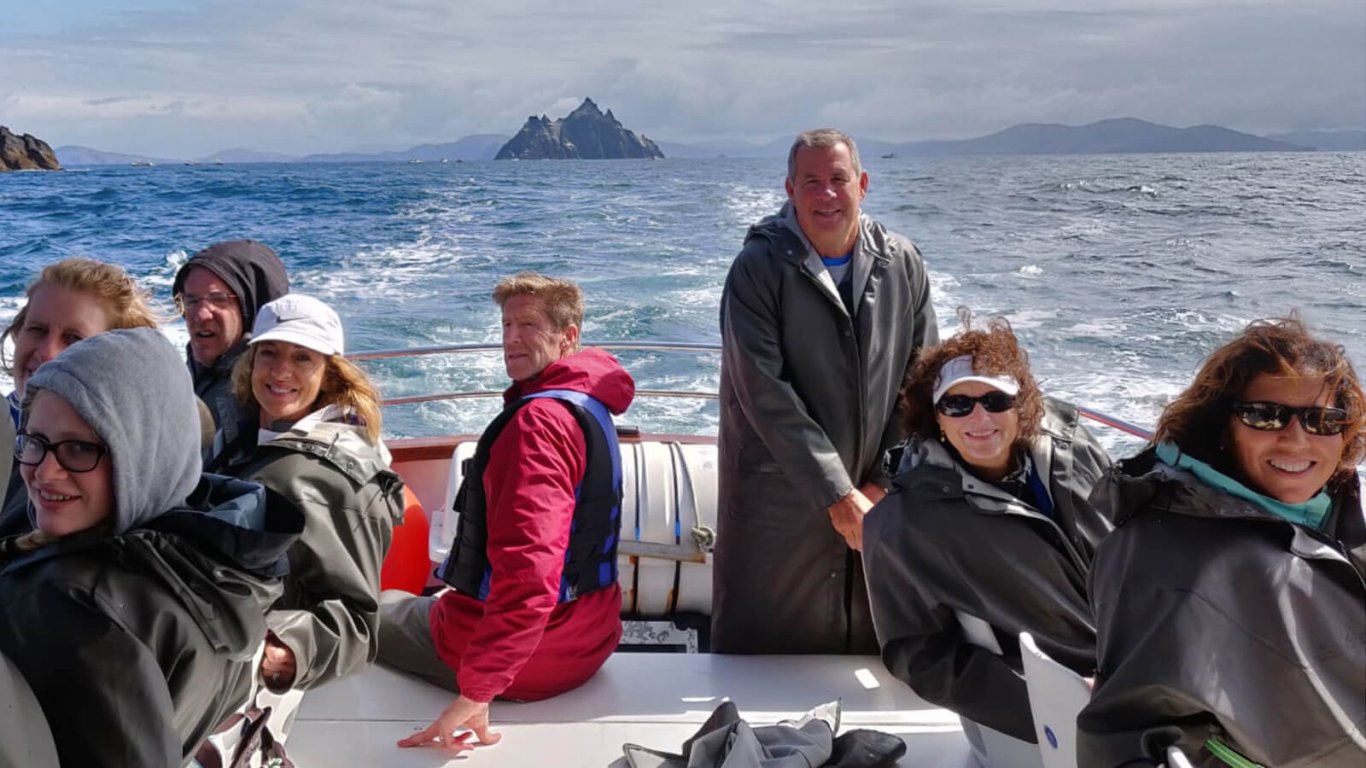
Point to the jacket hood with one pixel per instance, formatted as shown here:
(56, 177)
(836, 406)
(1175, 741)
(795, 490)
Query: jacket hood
(783, 226)
(251, 269)
(132, 388)
(344, 445)
(220, 555)
(780, 227)
(590, 371)
(229, 523)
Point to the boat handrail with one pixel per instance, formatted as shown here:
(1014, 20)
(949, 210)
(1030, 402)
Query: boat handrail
(446, 349)
(1101, 417)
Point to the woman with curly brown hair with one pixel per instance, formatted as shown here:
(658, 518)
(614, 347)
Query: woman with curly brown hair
(986, 532)
(1230, 602)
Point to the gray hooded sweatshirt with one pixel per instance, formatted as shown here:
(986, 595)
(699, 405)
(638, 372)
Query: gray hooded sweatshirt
(133, 390)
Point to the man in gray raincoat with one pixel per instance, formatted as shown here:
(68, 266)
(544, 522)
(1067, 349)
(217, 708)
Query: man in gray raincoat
(823, 312)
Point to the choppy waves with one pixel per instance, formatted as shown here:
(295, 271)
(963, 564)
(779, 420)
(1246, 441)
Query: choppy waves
(1119, 272)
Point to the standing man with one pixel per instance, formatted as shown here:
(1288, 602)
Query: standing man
(218, 292)
(823, 312)
(536, 607)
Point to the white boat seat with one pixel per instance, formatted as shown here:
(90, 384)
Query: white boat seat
(25, 739)
(668, 525)
(657, 699)
(992, 748)
(1056, 696)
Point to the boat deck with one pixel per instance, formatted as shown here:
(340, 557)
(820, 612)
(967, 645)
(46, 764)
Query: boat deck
(652, 699)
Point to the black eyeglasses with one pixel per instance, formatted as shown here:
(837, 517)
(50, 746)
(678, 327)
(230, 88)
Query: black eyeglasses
(188, 303)
(73, 455)
(958, 406)
(1273, 417)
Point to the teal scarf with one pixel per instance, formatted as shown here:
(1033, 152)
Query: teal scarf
(1310, 514)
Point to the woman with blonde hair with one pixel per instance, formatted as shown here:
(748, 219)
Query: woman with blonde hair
(70, 300)
(986, 533)
(313, 442)
(1230, 601)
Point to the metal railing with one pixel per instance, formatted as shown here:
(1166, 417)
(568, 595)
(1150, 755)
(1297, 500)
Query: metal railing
(611, 346)
(635, 346)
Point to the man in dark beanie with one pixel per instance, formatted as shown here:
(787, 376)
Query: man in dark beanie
(218, 292)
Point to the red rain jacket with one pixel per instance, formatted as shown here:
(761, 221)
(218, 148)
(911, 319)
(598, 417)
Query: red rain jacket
(521, 643)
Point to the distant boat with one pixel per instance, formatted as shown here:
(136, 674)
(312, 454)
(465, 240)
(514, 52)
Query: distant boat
(889, 156)
(415, 161)
(142, 163)
(445, 159)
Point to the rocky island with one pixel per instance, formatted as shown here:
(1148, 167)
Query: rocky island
(25, 153)
(584, 134)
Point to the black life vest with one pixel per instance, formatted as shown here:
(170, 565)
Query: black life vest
(591, 559)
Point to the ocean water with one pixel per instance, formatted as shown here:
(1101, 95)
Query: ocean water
(1118, 272)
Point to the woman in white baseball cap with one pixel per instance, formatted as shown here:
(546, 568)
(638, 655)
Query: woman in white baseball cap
(987, 532)
(314, 442)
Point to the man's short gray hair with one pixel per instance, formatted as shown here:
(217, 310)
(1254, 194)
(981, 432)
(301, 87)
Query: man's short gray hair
(821, 138)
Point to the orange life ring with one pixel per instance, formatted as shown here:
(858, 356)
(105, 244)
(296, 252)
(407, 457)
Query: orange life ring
(406, 566)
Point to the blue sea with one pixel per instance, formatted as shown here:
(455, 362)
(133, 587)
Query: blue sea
(1119, 272)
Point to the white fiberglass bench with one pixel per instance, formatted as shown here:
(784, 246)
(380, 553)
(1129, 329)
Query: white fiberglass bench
(652, 699)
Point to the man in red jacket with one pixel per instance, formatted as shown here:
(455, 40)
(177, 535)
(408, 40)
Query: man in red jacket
(535, 605)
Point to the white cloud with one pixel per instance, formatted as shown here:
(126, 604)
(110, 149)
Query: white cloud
(330, 75)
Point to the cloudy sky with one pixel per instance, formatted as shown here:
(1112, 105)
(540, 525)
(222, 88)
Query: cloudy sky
(184, 78)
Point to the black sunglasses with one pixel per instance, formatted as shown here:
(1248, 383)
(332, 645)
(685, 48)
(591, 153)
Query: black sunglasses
(958, 406)
(1273, 417)
(73, 455)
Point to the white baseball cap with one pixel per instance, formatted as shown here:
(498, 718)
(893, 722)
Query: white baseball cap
(302, 320)
(959, 370)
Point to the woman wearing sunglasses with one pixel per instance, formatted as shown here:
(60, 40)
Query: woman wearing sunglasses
(1230, 602)
(986, 533)
(133, 606)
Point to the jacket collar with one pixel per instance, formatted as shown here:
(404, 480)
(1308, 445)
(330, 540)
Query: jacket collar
(983, 496)
(342, 445)
(1141, 478)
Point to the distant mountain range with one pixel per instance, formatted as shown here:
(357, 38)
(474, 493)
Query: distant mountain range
(1119, 135)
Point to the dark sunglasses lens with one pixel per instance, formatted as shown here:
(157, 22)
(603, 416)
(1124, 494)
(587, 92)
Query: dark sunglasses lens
(956, 406)
(1267, 417)
(1324, 421)
(997, 402)
(1273, 417)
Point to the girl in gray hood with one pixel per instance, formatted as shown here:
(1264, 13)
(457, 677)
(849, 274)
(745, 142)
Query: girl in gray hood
(134, 606)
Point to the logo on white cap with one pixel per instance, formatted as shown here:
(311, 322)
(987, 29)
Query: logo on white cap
(302, 320)
(959, 370)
